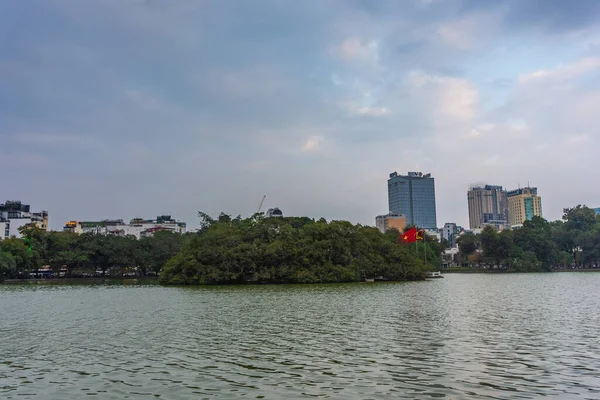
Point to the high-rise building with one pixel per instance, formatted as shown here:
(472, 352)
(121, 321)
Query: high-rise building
(597, 210)
(488, 205)
(413, 195)
(390, 221)
(523, 205)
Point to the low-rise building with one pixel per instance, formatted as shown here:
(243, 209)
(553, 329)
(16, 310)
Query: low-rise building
(14, 215)
(73, 227)
(274, 212)
(137, 227)
(450, 257)
(390, 221)
(434, 233)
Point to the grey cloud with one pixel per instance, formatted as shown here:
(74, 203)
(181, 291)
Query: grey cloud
(553, 16)
(209, 105)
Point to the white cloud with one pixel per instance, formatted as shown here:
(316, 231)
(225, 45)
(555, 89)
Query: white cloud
(357, 49)
(367, 111)
(563, 72)
(492, 160)
(469, 31)
(313, 144)
(451, 97)
(458, 99)
(577, 139)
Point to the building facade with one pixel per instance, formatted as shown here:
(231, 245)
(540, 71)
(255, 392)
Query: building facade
(390, 221)
(523, 205)
(413, 195)
(597, 210)
(14, 215)
(488, 205)
(137, 227)
(449, 232)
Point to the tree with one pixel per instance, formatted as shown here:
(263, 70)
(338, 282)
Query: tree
(536, 236)
(489, 240)
(8, 265)
(21, 254)
(467, 244)
(205, 220)
(224, 218)
(580, 218)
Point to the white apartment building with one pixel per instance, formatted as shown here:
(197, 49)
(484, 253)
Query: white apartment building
(137, 227)
(14, 215)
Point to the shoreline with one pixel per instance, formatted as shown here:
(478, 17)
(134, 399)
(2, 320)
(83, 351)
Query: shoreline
(487, 271)
(94, 280)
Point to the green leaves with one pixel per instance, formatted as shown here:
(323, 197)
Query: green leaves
(290, 250)
(539, 245)
(8, 265)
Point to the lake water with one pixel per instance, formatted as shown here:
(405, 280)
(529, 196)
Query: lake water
(513, 336)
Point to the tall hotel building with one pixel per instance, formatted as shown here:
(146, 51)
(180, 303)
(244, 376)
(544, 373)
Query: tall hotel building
(488, 205)
(523, 205)
(413, 195)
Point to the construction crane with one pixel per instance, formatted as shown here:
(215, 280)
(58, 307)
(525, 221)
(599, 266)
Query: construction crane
(261, 203)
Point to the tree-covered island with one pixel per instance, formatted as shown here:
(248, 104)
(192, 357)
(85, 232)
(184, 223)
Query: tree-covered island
(295, 250)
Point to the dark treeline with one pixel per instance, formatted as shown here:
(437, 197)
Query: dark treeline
(573, 242)
(71, 255)
(298, 250)
(226, 250)
(293, 250)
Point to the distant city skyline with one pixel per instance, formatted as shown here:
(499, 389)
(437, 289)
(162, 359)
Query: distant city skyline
(312, 103)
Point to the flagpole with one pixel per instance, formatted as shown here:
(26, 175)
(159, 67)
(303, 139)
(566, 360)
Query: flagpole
(424, 247)
(416, 247)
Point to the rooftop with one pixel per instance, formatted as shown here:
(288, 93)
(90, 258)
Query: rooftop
(525, 190)
(411, 174)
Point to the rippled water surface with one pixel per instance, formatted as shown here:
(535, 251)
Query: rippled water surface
(465, 336)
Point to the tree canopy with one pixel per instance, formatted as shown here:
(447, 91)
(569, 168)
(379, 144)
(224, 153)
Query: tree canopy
(292, 250)
(88, 254)
(538, 245)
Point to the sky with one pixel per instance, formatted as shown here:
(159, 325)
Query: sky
(138, 108)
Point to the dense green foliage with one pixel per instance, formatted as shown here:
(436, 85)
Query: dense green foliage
(289, 250)
(226, 250)
(292, 250)
(71, 255)
(539, 245)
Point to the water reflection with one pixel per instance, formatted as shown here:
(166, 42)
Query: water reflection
(466, 336)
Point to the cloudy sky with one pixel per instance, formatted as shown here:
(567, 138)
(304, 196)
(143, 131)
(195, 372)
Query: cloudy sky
(118, 109)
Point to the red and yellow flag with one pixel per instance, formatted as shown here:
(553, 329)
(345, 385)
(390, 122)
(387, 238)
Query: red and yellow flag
(410, 236)
(419, 235)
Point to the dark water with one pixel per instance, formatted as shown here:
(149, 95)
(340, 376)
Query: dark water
(465, 336)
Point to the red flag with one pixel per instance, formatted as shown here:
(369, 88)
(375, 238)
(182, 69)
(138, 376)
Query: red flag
(419, 235)
(410, 235)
